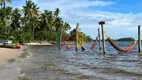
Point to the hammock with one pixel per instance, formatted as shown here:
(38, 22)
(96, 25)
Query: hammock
(68, 46)
(118, 48)
(80, 42)
(94, 44)
(81, 46)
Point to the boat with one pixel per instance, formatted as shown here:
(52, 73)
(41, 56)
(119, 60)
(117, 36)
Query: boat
(11, 46)
(8, 44)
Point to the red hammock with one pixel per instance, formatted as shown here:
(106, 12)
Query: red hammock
(94, 44)
(118, 48)
(68, 46)
(82, 48)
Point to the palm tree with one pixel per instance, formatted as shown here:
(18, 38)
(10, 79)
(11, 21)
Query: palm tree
(58, 23)
(3, 2)
(15, 23)
(31, 15)
(16, 15)
(44, 21)
(47, 22)
(66, 26)
(8, 20)
(5, 20)
(51, 27)
(57, 12)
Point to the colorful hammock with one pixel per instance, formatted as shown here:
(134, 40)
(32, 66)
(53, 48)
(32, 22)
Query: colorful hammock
(118, 48)
(81, 46)
(67, 46)
(80, 42)
(94, 44)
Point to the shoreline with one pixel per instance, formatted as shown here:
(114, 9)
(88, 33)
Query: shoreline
(38, 44)
(7, 54)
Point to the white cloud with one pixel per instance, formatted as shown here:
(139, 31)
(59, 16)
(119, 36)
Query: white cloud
(35, 1)
(78, 11)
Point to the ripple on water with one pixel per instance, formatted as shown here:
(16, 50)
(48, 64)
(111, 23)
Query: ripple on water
(48, 63)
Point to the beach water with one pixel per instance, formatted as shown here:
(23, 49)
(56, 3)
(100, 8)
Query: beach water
(48, 63)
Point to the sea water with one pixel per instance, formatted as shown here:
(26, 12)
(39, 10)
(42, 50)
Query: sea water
(49, 63)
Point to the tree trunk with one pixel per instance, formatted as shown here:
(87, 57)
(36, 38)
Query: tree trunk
(4, 4)
(33, 33)
(46, 32)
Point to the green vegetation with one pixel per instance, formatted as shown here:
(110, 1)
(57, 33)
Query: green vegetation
(48, 65)
(29, 23)
(11, 60)
(83, 77)
(125, 39)
(81, 36)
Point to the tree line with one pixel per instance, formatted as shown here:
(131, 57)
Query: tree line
(125, 39)
(31, 24)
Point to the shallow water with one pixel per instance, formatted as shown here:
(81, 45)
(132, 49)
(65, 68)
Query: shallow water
(48, 63)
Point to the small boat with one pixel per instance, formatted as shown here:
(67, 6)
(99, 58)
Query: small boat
(18, 47)
(11, 46)
(8, 44)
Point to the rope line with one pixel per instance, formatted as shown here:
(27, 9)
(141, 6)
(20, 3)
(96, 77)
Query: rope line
(117, 47)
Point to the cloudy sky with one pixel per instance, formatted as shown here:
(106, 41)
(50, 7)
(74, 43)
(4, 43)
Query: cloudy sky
(121, 16)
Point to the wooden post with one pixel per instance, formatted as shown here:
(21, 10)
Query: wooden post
(77, 25)
(81, 38)
(104, 49)
(61, 34)
(99, 38)
(139, 39)
(59, 39)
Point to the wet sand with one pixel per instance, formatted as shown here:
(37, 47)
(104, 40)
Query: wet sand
(6, 53)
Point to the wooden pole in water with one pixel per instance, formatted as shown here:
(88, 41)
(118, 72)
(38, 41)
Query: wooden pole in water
(139, 39)
(99, 38)
(61, 34)
(102, 23)
(81, 38)
(77, 25)
(59, 39)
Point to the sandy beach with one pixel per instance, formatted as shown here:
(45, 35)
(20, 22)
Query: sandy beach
(6, 54)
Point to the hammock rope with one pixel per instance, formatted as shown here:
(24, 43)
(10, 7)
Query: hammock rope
(117, 47)
(68, 46)
(81, 41)
(94, 44)
(82, 47)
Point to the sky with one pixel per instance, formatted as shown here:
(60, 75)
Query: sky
(121, 16)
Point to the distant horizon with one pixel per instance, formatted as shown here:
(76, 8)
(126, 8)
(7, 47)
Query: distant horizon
(121, 17)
